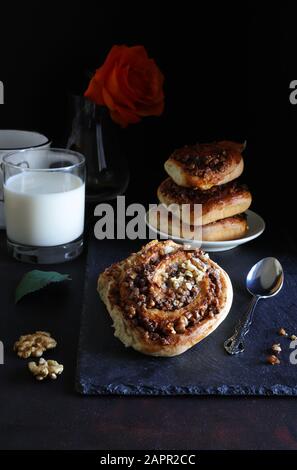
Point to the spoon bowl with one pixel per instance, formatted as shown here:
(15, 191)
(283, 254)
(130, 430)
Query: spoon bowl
(265, 278)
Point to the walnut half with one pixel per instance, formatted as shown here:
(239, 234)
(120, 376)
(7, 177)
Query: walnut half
(44, 369)
(34, 344)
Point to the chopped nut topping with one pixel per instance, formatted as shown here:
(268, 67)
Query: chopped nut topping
(195, 316)
(293, 337)
(181, 324)
(44, 369)
(186, 277)
(169, 329)
(34, 344)
(276, 348)
(168, 249)
(282, 332)
(273, 360)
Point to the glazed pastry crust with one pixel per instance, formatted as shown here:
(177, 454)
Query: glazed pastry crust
(157, 330)
(205, 165)
(218, 203)
(230, 228)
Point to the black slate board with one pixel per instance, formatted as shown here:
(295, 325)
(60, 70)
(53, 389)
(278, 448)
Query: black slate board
(105, 366)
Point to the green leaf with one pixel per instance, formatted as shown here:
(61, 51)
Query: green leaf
(35, 280)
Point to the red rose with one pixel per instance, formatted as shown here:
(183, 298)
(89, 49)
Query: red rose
(129, 83)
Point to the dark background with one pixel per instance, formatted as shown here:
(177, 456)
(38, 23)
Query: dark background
(227, 73)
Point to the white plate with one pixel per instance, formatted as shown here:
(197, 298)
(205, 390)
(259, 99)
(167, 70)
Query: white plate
(255, 223)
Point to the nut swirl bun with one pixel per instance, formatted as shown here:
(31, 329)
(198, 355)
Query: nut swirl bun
(165, 299)
(218, 202)
(205, 165)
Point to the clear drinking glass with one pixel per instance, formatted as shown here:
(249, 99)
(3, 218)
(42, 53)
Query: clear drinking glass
(44, 202)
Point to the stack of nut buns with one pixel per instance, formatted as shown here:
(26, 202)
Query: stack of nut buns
(207, 174)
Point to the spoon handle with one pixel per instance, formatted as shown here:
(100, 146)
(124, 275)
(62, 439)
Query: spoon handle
(235, 344)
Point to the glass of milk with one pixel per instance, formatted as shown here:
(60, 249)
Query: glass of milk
(44, 203)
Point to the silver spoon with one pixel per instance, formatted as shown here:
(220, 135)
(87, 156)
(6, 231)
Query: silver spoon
(264, 280)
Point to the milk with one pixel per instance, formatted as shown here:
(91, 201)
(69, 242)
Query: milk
(44, 208)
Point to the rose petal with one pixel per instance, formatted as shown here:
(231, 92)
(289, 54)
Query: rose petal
(154, 110)
(120, 114)
(116, 88)
(133, 54)
(124, 117)
(94, 90)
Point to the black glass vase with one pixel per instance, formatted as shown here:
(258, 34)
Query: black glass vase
(98, 138)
